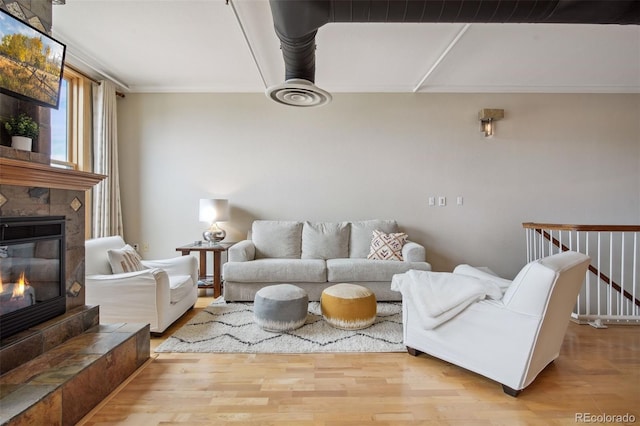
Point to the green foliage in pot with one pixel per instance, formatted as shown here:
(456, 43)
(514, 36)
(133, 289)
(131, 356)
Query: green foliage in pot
(22, 125)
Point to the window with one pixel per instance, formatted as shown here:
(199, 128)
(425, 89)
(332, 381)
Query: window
(71, 130)
(59, 126)
(71, 123)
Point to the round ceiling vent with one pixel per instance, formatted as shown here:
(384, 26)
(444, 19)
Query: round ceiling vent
(299, 93)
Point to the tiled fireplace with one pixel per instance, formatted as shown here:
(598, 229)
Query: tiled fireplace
(32, 193)
(55, 368)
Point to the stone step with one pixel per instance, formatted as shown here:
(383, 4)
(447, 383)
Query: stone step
(62, 385)
(26, 345)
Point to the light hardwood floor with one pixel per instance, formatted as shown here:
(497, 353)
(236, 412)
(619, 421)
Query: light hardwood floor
(598, 372)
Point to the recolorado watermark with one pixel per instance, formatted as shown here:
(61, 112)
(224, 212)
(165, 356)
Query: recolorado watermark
(604, 418)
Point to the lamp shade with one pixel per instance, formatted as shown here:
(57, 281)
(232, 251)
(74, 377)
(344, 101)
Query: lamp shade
(216, 210)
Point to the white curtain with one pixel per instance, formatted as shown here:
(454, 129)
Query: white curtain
(107, 212)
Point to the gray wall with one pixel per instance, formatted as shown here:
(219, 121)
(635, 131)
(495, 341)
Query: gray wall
(555, 158)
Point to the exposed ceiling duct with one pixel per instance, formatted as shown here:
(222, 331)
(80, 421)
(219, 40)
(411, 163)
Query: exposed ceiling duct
(297, 22)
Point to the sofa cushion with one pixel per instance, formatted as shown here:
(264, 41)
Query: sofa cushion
(359, 270)
(276, 271)
(124, 260)
(277, 239)
(387, 246)
(324, 240)
(362, 233)
(180, 286)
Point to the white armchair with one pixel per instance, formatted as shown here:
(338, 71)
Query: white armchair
(509, 340)
(158, 295)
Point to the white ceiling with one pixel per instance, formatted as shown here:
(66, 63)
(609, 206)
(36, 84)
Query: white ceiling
(199, 46)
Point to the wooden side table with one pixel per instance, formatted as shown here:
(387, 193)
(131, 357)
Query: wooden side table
(203, 248)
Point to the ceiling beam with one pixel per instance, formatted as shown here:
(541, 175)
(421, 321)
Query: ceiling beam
(441, 57)
(246, 39)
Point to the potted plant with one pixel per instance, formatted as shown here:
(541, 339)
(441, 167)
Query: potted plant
(22, 129)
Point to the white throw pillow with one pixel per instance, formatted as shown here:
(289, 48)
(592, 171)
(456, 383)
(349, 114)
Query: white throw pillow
(124, 260)
(387, 246)
(324, 240)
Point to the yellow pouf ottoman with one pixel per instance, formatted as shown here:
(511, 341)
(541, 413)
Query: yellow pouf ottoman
(348, 306)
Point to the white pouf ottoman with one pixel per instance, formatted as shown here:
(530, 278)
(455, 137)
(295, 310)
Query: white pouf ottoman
(348, 306)
(280, 307)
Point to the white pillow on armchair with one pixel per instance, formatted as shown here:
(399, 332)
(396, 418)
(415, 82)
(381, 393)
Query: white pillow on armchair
(124, 260)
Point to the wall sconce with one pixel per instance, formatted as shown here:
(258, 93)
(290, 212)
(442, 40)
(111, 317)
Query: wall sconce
(487, 117)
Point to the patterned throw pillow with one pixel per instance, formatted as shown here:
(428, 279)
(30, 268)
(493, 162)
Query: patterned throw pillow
(387, 246)
(125, 259)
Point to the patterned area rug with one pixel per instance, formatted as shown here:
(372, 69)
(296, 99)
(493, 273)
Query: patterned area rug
(229, 327)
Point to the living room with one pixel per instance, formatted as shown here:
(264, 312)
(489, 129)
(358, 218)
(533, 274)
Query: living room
(564, 153)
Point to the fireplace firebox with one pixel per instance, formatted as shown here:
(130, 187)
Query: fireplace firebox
(32, 258)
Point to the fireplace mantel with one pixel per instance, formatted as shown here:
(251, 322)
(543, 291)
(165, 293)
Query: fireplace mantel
(27, 173)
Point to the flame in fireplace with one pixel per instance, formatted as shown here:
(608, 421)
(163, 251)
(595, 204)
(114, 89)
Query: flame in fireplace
(18, 288)
(21, 292)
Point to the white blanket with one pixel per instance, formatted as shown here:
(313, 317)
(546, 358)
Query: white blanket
(442, 295)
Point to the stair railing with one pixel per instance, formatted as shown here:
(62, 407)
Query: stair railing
(610, 293)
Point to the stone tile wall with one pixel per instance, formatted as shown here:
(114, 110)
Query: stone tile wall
(33, 201)
(38, 14)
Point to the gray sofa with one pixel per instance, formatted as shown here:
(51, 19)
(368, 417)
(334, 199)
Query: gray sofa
(314, 256)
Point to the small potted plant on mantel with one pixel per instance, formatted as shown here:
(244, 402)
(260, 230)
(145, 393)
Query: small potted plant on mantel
(22, 129)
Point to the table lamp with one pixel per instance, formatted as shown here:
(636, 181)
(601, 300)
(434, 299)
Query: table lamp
(213, 211)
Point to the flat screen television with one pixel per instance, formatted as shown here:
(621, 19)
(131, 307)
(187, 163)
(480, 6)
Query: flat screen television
(31, 62)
